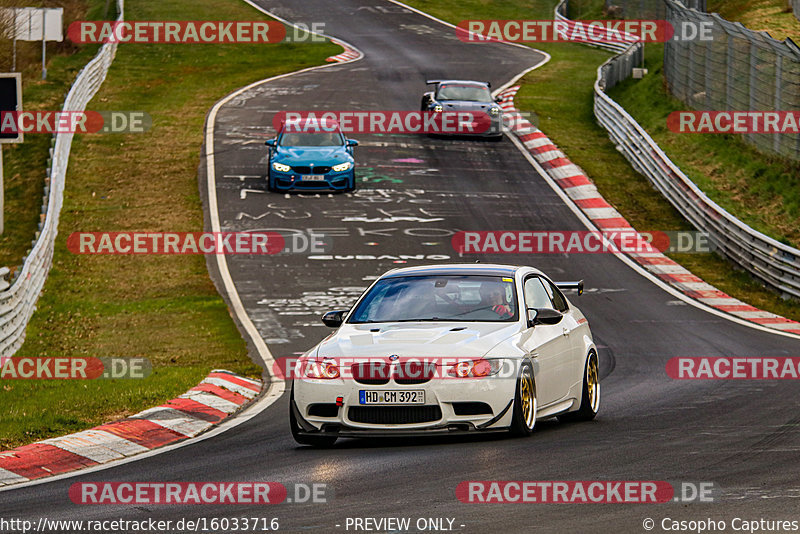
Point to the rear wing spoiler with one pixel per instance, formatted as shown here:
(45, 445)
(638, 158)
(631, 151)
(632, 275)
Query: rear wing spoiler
(429, 82)
(571, 285)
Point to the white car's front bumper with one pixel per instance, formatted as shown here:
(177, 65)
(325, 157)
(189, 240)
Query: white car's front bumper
(451, 405)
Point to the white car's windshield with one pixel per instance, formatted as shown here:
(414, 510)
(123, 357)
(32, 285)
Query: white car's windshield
(471, 93)
(438, 298)
(312, 139)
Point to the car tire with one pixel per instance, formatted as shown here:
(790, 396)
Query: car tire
(590, 394)
(270, 186)
(322, 442)
(523, 418)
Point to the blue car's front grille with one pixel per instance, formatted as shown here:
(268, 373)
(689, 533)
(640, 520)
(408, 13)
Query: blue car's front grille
(304, 169)
(310, 185)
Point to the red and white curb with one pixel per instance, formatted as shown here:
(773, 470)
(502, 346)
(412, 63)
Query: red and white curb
(349, 53)
(584, 194)
(219, 395)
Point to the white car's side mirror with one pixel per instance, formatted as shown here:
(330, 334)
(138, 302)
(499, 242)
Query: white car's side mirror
(543, 316)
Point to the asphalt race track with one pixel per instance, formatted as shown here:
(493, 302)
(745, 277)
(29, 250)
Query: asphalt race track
(414, 193)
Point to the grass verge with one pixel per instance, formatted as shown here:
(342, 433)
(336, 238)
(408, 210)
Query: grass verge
(567, 117)
(164, 308)
(773, 16)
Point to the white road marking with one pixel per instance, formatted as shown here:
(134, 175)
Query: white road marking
(243, 193)
(241, 177)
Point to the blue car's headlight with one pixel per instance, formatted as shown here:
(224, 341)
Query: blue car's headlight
(280, 167)
(438, 108)
(342, 167)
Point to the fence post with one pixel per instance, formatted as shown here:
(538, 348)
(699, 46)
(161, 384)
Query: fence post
(753, 84)
(776, 137)
(729, 81)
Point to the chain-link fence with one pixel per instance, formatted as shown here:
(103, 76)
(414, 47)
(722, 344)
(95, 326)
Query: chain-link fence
(737, 70)
(647, 9)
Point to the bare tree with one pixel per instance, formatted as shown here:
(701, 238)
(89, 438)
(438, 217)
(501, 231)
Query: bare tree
(5, 35)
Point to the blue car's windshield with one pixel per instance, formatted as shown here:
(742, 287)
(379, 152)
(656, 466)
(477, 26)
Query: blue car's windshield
(471, 93)
(311, 139)
(438, 298)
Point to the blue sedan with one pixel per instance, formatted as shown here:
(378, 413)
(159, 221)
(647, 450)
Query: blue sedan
(311, 161)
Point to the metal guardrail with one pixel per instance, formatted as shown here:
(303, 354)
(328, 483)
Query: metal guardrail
(18, 300)
(736, 69)
(776, 264)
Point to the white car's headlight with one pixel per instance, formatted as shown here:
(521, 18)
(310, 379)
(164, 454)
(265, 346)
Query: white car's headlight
(280, 167)
(495, 111)
(475, 368)
(342, 167)
(325, 370)
(438, 108)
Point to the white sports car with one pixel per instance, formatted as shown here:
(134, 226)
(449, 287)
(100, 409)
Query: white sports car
(448, 349)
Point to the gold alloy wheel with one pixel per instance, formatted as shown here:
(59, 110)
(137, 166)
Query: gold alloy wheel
(527, 398)
(593, 383)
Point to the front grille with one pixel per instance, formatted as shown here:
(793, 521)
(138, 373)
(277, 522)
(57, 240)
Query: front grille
(303, 169)
(323, 409)
(311, 185)
(394, 415)
(408, 373)
(472, 408)
(405, 373)
(371, 373)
